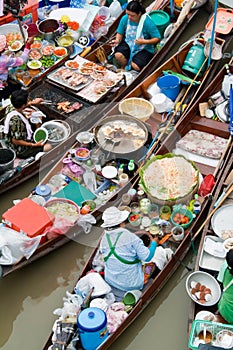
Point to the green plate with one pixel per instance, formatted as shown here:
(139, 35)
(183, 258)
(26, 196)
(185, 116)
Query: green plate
(41, 134)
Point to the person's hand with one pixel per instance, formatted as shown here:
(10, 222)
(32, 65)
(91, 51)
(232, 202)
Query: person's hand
(39, 144)
(114, 42)
(140, 41)
(36, 101)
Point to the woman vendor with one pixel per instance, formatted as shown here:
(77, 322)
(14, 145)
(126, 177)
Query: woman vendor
(136, 38)
(6, 62)
(17, 128)
(225, 305)
(123, 252)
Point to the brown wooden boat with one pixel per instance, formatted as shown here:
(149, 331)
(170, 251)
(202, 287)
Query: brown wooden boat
(191, 121)
(208, 261)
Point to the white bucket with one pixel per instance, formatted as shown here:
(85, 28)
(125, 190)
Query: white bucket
(161, 103)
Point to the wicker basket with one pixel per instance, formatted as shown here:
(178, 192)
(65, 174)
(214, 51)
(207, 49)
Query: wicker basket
(136, 107)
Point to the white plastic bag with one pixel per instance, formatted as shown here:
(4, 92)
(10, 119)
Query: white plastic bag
(15, 245)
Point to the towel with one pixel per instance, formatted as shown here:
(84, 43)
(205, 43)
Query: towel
(24, 119)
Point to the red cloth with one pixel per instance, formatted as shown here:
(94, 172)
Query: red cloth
(206, 185)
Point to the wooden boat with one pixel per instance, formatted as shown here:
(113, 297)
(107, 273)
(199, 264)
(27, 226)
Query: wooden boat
(209, 262)
(152, 125)
(191, 121)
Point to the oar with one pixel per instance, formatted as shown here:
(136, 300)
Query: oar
(175, 112)
(213, 211)
(213, 31)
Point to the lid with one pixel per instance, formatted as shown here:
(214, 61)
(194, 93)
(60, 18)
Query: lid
(159, 17)
(43, 190)
(92, 319)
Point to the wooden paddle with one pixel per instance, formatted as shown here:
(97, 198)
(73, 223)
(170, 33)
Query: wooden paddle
(230, 190)
(175, 111)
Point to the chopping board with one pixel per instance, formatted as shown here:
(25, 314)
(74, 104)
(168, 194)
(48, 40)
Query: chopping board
(76, 193)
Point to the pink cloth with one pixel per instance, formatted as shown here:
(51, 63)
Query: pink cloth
(7, 61)
(116, 314)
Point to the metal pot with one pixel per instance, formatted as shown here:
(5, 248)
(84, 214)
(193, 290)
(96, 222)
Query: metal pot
(7, 157)
(125, 147)
(49, 28)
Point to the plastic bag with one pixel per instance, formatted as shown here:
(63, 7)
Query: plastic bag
(15, 245)
(86, 222)
(206, 185)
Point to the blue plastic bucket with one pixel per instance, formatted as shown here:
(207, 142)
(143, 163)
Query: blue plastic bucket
(161, 19)
(92, 327)
(169, 86)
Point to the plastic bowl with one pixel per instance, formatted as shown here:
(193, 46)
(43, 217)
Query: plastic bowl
(41, 134)
(82, 153)
(208, 281)
(183, 212)
(135, 219)
(136, 107)
(60, 51)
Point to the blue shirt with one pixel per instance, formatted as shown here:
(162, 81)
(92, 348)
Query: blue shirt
(130, 247)
(149, 30)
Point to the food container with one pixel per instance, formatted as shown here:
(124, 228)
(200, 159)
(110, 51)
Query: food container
(28, 217)
(34, 54)
(180, 218)
(92, 326)
(60, 52)
(58, 131)
(49, 28)
(137, 107)
(203, 279)
(215, 328)
(135, 219)
(178, 233)
(7, 157)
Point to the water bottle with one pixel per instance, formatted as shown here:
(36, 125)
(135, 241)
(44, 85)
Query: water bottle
(25, 162)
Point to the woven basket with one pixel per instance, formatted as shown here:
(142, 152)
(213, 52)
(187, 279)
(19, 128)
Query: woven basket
(136, 107)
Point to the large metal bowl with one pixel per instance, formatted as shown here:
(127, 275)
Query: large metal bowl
(12, 28)
(125, 145)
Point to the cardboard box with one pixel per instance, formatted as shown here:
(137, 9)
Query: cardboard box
(28, 217)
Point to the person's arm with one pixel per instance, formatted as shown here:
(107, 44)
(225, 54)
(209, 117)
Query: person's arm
(152, 249)
(27, 143)
(120, 31)
(152, 41)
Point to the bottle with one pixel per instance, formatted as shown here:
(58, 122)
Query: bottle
(131, 167)
(25, 162)
(196, 205)
(120, 169)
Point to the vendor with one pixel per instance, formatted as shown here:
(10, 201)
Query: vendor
(136, 38)
(17, 128)
(7, 61)
(225, 305)
(123, 252)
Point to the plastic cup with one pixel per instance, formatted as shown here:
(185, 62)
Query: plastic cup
(131, 297)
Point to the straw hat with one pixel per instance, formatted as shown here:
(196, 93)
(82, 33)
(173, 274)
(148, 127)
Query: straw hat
(112, 216)
(2, 42)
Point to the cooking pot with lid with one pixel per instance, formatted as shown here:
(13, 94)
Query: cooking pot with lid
(49, 28)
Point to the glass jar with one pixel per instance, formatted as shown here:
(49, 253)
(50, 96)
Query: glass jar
(165, 212)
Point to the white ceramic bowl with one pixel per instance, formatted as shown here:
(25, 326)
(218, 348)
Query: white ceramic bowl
(209, 281)
(224, 338)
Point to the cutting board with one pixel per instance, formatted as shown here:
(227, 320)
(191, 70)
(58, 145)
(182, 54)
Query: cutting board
(75, 192)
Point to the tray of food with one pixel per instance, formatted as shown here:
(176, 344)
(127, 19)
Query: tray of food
(69, 78)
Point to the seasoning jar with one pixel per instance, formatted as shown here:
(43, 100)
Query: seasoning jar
(165, 212)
